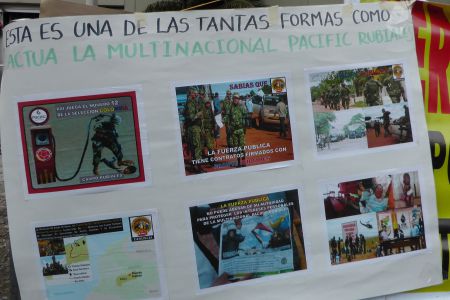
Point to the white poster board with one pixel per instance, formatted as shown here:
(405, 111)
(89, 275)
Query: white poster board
(304, 176)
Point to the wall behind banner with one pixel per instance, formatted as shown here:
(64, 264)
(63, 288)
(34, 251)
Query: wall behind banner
(432, 32)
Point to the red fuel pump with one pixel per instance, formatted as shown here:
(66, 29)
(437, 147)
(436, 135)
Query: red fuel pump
(44, 157)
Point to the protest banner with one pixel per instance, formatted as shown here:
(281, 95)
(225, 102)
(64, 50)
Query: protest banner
(159, 75)
(432, 35)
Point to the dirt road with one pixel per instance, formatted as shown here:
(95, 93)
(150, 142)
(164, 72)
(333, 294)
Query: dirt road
(381, 140)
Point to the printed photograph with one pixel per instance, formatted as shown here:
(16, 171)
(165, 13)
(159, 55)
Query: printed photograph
(54, 265)
(101, 260)
(51, 247)
(248, 238)
(374, 217)
(340, 131)
(79, 142)
(353, 238)
(388, 125)
(375, 94)
(374, 194)
(231, 125)
(356, 88)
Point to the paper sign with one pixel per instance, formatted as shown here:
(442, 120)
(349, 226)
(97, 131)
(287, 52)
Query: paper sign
(115, 257)
(57, 134)
(257, 128)
(359, 108)
(248, 238)
(432, 28)
(175, 63)
(374, 217)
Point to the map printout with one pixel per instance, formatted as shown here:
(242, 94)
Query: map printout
(110, 258)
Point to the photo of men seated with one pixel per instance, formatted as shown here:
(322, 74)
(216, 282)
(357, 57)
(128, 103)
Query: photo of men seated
(51, 247)
(375, 194)
(374, 217)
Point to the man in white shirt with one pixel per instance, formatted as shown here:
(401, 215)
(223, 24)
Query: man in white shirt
(282, 113)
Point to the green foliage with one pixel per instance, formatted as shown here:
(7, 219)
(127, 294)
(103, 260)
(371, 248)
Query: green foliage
(165, 5)
(316, 93)
(322, 122)
(267, 89)
(176, 5)
(332, 79)
(357, 119)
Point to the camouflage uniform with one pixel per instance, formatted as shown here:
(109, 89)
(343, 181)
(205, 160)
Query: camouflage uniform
(194, 129)
(237, 125)
(105, 136)
(227, 103)
(324, 100)
(372, 92)
(208, 126)
(386, 122)
(237, 119)
(395, 89)
(345, 97)
(334, 96)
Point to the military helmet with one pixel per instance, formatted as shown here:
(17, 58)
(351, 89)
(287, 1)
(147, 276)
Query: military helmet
(115, 119)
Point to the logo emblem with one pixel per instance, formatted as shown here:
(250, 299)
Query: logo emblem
(278, 85)
(141, 228)
(39, 116)
(44, 154)
(397, 70)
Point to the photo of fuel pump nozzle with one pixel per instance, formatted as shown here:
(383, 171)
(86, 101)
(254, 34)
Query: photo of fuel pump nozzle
(102, 127)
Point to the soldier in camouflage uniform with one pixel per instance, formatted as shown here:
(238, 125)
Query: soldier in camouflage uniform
(208, 127)
(237, 119)
(324, 99)
(226, 107)
(345, 96)
(335, 97)
(106, 136)
(372, 92)
(194, 119)
(394, 88)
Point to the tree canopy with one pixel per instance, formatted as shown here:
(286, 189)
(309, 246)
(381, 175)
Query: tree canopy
(322, 122)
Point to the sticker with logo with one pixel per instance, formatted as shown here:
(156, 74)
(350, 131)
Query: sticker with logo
(141, 228)
(44, 154)
(278, 85)
(39, 116)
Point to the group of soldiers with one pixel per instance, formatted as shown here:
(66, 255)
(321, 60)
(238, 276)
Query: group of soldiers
(339, 95)
(234, 116)
(200, 125)
(393, 86)
(335, 96)
(403, 122)
(350, 247)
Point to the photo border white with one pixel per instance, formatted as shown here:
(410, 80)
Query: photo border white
(143, 136)
(92, 218)
(255, 281)
(420, 169)
(347, 153)
(226, 79)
